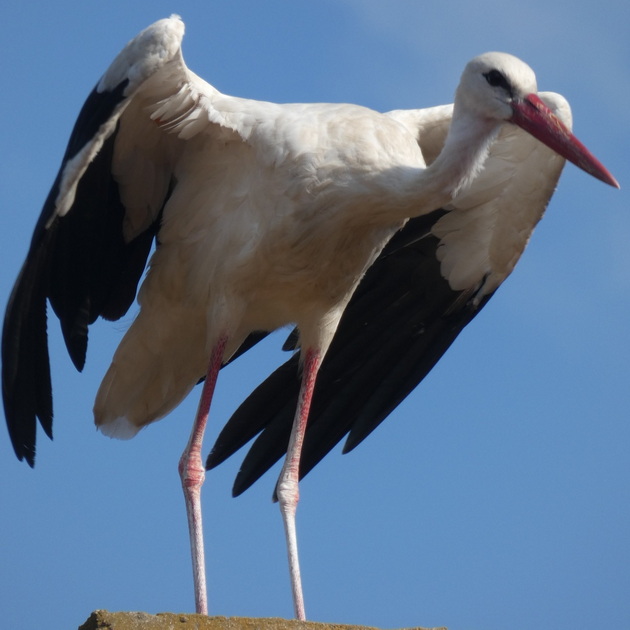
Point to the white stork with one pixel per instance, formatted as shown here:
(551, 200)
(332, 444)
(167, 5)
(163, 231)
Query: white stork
(263, 215)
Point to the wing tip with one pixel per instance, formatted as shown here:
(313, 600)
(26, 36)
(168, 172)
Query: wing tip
(27, 455)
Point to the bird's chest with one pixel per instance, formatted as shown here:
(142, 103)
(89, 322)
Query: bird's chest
(276, 237)
(276, 254)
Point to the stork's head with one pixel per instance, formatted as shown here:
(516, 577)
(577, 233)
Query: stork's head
(491, 82)
(501, 87)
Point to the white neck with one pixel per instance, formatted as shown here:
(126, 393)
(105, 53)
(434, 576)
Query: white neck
(464, 153)
(463, 156)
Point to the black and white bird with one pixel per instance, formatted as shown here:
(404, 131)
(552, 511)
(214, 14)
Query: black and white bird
(262, 215)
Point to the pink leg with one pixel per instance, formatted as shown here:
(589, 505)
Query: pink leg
(287, 490)
(192, 473)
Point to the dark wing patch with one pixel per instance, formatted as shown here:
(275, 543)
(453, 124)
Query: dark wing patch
(82, 264)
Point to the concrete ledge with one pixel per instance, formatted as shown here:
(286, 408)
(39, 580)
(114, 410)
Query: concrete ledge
(104, 620)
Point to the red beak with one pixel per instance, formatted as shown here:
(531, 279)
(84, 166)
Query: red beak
(532, 115)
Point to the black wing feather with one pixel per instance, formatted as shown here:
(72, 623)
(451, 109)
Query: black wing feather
(81, 263)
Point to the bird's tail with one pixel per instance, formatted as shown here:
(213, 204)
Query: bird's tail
(155, 366)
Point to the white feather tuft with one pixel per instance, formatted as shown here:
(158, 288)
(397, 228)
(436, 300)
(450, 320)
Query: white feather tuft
(119, 428)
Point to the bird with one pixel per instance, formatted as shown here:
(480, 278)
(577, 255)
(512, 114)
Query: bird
(430, 281)
(261, 214)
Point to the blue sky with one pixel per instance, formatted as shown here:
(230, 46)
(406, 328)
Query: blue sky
(496, 496)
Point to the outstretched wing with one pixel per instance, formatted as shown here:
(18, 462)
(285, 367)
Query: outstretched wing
(430, 281)
(93, 237)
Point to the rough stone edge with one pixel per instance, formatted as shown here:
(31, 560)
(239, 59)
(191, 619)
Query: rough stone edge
(105, 620)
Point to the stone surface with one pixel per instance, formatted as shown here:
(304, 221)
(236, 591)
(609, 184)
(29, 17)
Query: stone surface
(104, 620)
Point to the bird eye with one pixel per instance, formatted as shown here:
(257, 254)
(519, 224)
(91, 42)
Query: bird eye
(496, 79)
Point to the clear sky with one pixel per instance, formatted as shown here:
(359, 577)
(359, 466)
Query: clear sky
(497, 496)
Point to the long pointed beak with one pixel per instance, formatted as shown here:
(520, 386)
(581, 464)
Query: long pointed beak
(532, 115)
